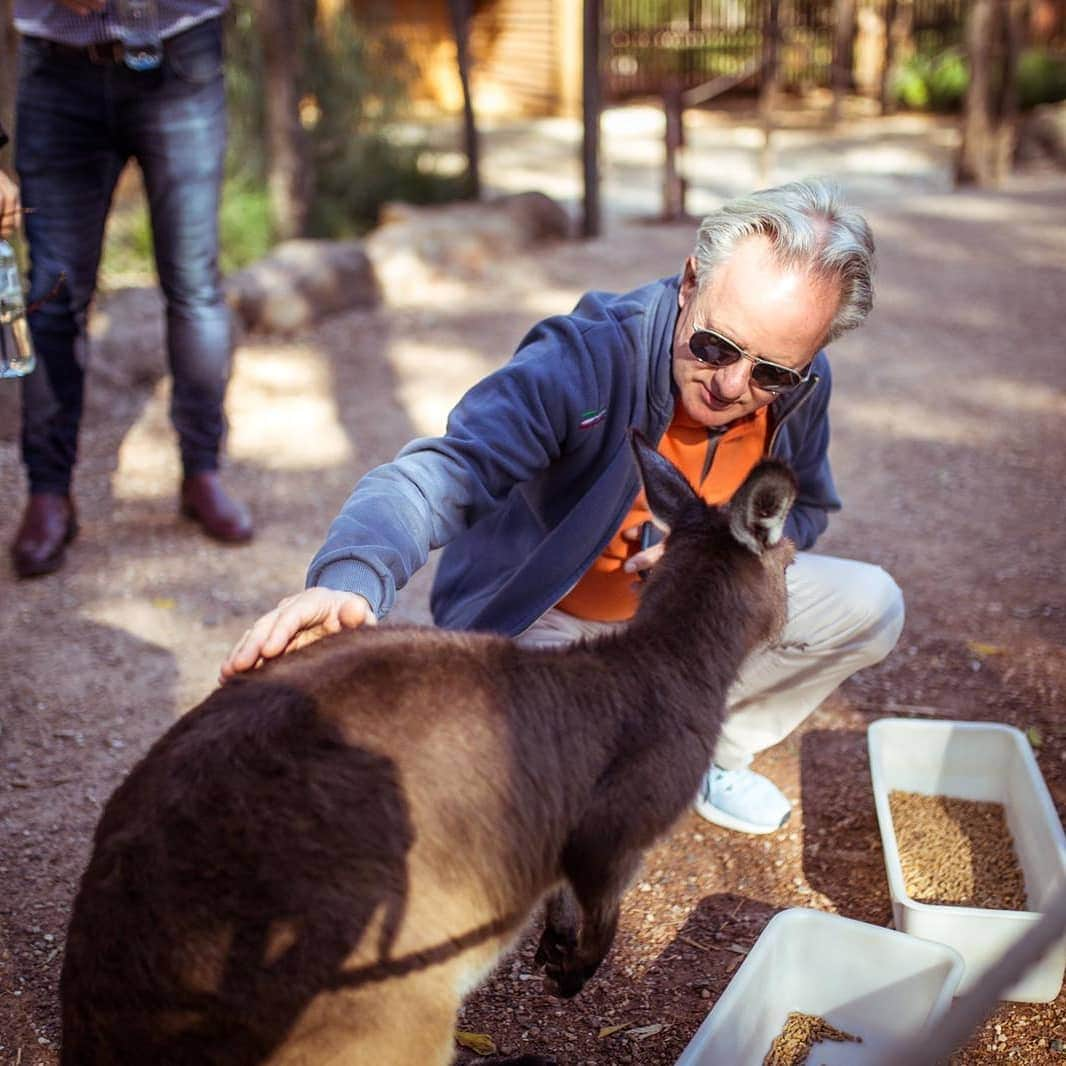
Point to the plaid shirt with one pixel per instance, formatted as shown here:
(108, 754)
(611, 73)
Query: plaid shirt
(56, 22)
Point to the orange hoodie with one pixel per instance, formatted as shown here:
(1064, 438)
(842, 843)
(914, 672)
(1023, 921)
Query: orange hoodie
(606, 593)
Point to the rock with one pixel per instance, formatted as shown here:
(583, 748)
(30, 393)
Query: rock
(299, 282)
(127, 339)
(462, 240)
(1042, 135)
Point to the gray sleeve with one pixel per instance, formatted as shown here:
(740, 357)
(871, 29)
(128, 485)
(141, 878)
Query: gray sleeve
(506, 429)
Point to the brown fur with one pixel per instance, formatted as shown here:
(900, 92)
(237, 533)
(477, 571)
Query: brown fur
(315, 865)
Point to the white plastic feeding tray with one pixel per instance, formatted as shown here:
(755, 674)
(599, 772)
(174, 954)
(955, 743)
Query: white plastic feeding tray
(983, 761)
(875, 983)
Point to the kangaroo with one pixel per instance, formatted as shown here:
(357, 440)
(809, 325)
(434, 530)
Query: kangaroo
(315, 865)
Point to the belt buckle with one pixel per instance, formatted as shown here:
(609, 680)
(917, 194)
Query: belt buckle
(105, 52)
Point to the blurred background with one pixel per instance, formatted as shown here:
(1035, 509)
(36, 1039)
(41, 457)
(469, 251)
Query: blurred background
(339, 107)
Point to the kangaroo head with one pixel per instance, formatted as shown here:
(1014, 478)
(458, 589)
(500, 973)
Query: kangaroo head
(752, 523)
(756, 513)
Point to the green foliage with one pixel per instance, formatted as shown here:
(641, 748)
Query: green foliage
(246, 234)
(128, 257)
(246, 228)
(244, 95)
(1041, 78)
(356, 92)
(938, 82)
(932, 82)
(355, 97)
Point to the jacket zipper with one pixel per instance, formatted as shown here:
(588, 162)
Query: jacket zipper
(791, 411)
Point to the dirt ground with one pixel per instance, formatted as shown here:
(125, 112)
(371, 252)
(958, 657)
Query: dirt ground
(948, 450)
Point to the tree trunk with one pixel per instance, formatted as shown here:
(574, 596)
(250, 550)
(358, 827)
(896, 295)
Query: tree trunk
(843, 53)
(590, 109)
(460, 12)
(993, 42)
(673, 177)
(768, 85)
(282, 28)
(892, 29)
(8, 65)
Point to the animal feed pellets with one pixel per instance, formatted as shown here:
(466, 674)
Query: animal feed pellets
(956, 852)
(800, 1033)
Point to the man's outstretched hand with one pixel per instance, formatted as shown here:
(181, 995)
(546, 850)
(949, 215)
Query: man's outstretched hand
(296, 621)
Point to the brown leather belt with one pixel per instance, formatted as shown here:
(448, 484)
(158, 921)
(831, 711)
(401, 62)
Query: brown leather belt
(100, 53)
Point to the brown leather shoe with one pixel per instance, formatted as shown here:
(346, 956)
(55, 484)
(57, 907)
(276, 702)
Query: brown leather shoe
(48, 526)
(204, 500)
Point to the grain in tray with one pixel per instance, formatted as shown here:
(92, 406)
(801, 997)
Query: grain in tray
(792, 1046)
(956, 852)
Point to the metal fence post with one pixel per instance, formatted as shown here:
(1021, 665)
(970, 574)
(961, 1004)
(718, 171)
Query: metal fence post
(590, 107)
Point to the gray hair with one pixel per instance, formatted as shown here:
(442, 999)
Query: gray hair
(807, 223)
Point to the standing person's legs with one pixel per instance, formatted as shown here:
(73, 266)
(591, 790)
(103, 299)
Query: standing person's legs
(177, 130)
(842, 616)
(67, 167)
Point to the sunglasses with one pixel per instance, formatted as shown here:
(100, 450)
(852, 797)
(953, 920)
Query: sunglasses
(715, 350)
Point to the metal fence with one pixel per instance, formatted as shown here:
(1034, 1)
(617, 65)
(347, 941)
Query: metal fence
(650, 45)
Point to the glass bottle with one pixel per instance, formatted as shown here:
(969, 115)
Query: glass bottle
(139, 31)
(16, 346)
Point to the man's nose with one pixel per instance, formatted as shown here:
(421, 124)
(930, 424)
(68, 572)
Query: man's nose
(731, 382)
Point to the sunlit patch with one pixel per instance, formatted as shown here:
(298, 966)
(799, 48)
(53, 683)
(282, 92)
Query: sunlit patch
(203, 958)
(148, 464)
(1029, 397)
(376, 943)
(282, 935)
(431, 377)
(283, 411)
(547, 301)
(154, 621)
(905, 422)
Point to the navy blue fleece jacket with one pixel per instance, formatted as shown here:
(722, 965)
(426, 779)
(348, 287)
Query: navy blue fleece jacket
(534, 473)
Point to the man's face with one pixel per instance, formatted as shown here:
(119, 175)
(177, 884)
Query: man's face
(778, 313)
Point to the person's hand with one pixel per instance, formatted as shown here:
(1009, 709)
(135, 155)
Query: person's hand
(296, 621)
(645, 559)
(84, 7)
(10, 204)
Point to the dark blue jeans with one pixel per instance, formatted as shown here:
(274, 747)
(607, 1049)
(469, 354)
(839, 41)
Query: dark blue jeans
(78, 124)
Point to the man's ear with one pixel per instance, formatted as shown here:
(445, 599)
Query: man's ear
(687, 289)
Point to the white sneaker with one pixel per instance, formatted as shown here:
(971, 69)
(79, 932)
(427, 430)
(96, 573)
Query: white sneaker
(741, 800)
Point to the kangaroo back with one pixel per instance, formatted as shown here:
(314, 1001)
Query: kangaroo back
(320, 861)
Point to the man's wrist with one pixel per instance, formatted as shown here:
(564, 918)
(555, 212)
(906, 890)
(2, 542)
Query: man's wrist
(352, 576)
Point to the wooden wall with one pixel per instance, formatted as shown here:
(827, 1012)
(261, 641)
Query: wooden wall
(514, 49)
(526, 54)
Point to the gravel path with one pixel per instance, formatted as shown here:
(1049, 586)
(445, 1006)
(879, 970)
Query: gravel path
(948, 449)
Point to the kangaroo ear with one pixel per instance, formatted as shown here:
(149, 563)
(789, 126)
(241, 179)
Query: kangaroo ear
(665, 488)
(758, 509)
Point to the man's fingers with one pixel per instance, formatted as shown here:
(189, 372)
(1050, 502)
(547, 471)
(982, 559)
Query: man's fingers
(644, 560)
(296, 622)
(356, 612)
(241, 657)
(290, 620)
(250, 648)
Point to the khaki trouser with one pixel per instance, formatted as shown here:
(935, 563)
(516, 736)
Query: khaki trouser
(842, 616)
